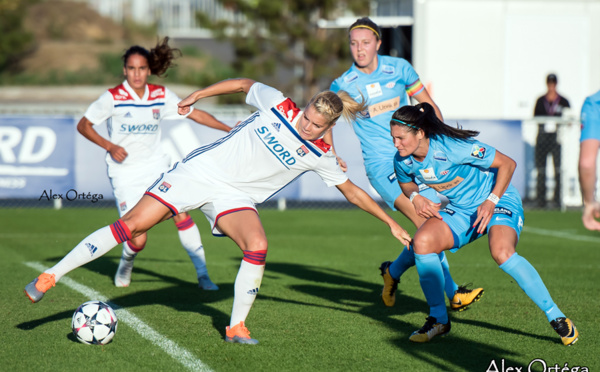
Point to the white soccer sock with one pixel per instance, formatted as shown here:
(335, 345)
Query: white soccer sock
(93, 246)
(246, 287)
(191, 241)
(128, 254)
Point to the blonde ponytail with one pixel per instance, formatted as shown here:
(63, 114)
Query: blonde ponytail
(332, 106)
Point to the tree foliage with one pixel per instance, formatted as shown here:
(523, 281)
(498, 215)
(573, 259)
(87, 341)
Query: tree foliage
(15, 41)
(280, 43)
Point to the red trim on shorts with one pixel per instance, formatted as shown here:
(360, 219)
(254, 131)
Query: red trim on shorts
(232, 211)
(185, 224)
(172, 208)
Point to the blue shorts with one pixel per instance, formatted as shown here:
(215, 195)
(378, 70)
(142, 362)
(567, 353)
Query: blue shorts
(508, 212)
(383, 179)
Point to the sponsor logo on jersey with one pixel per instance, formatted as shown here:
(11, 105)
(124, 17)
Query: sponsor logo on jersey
(156, 91)
(392, 177)
(445, 172)
(123, 206)
(277, 126)
(428, 174)
(447, 210)
(139, 129)
(164, 187)
(439, 155)
(478, 151)
(128, 115)
(92, 248)
(408, 162)
(284, 156)
(439, 187)
(288, 109)
(500, 210)
(374, 90)
(156, 114)
(302, 150)
(388, 69)
(351, 77)
(365, 114)
(390, 85)
(385, 106)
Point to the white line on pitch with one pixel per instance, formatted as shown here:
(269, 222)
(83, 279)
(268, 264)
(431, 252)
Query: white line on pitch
(561, 234)
(177, 352)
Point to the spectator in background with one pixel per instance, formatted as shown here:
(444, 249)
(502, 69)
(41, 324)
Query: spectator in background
(588, 153)
(550, 104)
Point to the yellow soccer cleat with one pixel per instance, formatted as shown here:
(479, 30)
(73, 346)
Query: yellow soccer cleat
(390, 285)
(431, 329)
(566, 330)
(464, 297)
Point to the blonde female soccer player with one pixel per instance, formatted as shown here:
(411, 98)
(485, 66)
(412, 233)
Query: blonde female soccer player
(134, 111)
(225, 179)
(386, 83)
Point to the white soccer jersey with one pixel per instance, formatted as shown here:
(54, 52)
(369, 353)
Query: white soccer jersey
(259, 156)
(134, 124)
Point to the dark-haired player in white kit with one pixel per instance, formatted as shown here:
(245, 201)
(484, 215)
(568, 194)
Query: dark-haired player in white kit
(225, 179)
(134, 111)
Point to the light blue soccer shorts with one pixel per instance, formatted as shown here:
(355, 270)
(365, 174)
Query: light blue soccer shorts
(383, 179)
(508, 212)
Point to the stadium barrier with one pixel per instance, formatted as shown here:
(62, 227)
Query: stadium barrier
(45, 162)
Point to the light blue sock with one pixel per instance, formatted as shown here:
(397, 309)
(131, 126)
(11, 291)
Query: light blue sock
(405, 261)
(530, 282)
(431, 277)
(450, 286)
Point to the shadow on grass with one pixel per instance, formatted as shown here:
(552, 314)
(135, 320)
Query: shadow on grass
(453, 350)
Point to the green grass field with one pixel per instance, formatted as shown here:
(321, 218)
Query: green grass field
(319, 307)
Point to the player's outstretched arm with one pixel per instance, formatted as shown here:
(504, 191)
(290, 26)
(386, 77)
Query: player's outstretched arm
(204, 118)
(361, 199)
(228, 86)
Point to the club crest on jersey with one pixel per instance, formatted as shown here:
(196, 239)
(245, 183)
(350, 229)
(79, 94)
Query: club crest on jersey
(351, 77)
(388, 69)
(123, 206)
(444, 172)
(277, 126)
(428, 174)
(302, 150)
(156, 114)
(478, 151)
(164, 187)
(439, 155)
(390, 85)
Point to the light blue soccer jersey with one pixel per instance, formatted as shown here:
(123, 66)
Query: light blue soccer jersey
(590, 118)
(458, 169)
(385, 90)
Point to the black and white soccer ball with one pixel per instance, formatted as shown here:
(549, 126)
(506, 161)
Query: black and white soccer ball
(94, 323)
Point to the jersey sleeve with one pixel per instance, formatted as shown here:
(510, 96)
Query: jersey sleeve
(170, 110)
(410, 79)
(470, 152)
(263, 97)
(329, 170)
(101, 109)
(590, 113)
(335, 86)
(401, 173)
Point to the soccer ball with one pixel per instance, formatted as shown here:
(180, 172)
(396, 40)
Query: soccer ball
(94, 323)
